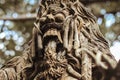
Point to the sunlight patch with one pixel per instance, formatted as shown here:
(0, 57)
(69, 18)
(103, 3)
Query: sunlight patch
(115, 50)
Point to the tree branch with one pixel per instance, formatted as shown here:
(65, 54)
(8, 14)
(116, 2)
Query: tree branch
(20, 17)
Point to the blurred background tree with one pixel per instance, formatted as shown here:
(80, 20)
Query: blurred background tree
(17, 19)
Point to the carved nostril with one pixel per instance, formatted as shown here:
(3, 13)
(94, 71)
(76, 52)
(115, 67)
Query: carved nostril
(50, 18)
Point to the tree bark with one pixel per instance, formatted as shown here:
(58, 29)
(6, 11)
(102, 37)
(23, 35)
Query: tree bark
(66, 42)
(86, 67)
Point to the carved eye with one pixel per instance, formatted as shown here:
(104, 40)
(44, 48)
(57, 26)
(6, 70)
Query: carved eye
(59, 17)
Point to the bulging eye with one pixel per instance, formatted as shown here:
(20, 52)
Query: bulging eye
(59, 18)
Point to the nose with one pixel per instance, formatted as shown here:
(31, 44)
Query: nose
(50, 18)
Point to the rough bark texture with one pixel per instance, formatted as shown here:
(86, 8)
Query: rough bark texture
(66, 45)
(86, 69)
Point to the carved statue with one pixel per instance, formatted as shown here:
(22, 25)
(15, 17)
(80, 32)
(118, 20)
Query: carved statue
(66, 44)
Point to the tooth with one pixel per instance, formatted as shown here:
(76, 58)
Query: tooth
(50, 32)
(59, 36)
(53, 32)
(47, 34)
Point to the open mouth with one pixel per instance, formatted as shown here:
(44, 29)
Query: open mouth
(52, 31)
(44, 28)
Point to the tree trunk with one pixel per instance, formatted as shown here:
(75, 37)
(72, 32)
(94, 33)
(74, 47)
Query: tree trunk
(66, 43)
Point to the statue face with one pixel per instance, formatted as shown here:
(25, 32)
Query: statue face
(57, 20)
(51, 23)
(60, 24)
